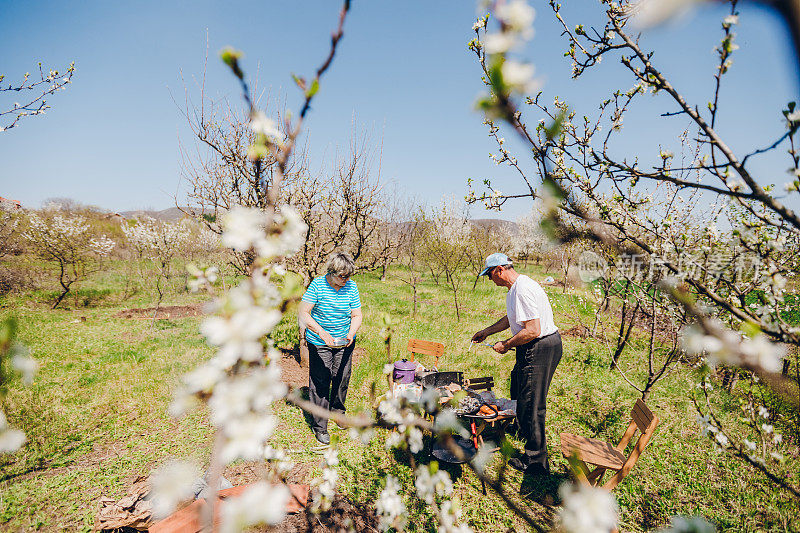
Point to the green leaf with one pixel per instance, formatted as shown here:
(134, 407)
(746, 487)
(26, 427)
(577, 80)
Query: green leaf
(8, 329)
(230, 56)
(301, 82)
(555, 128)
(313, 89)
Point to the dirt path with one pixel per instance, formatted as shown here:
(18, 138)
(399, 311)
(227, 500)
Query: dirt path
(164, 312)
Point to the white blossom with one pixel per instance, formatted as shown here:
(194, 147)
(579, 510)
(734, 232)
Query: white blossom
(777, 456)
(498, 43)
(518, 17)
(243, 228)
(11, 439)
(262, 125)
(170, 485)
(731, 20)
(393, 440)
(389, 410)
(331, 456)
(587, 509)
(364, 436)
(103, 245)
(201, 278)
(390, 507)
(239, 336)
(23, 363)
(325, 485)
(266, 385)
(518, 76)
(449, 515)
(447, 421)
(483, 456)
(763, 353)
(429, 486)
(246, 435)
(653, 12)
(260, 504)
(204, 378)
(279, 460)
(415, 443)
(182, 403)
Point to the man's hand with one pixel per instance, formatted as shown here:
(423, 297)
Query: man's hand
(350, 338)
(327, 338)
(479, 336)
(500, 347)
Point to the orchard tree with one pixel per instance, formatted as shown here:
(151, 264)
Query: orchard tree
(159, 243)
(341, 204)
(67, 243)
(447, 243)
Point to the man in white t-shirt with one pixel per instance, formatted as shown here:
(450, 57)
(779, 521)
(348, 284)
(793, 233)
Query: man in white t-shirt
(538, 344)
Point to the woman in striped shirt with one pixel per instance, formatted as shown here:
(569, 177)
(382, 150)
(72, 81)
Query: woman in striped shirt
(330, 315)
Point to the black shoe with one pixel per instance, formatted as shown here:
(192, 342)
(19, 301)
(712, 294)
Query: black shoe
(517, 464)
(529, 470)
(322, 436)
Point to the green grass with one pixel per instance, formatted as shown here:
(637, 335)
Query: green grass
(96, 412)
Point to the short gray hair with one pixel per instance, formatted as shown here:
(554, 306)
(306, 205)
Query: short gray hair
(341, 264)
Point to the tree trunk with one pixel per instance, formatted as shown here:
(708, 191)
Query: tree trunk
(414, 291)
(455, 298)
(61, 297)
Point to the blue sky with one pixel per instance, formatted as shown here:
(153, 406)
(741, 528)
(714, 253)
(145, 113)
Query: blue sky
(403, 72)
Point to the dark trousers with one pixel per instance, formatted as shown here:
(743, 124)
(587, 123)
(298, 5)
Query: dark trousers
(530, 381)
(328, 378)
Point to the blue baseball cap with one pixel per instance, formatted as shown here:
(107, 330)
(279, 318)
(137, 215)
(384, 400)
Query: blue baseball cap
(498, 259)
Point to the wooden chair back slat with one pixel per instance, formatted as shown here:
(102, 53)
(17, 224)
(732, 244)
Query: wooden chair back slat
(642, 415)
(417, 346)
(476, 384)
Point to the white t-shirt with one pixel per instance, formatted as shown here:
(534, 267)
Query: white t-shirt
(527, 300)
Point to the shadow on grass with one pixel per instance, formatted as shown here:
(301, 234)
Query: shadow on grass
(542, 488)
(306, 415)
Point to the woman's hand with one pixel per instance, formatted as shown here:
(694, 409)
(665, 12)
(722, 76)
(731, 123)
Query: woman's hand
(327, 338)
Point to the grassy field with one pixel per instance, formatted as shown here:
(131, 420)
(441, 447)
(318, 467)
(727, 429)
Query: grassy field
(96, 413)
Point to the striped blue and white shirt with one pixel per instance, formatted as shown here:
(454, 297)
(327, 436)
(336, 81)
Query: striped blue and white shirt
(331, 308)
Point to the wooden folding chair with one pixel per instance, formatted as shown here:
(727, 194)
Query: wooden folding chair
(417, 346)
(607, 457)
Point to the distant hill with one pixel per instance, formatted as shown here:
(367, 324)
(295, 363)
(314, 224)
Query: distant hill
(508, 225)
(172, 214)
